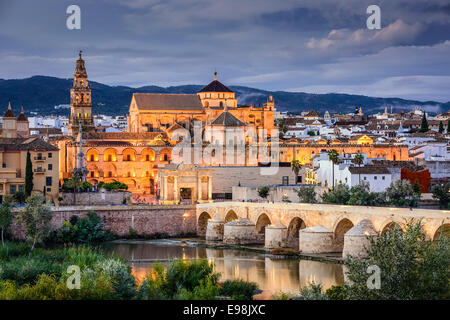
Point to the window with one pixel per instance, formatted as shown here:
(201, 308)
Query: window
(12, 189)
(147, 157)
(21, 188)
(375, 177)
(50, 166)
(48, 181)
(49, 189)
(285, 180)
(39, 156)
(50, 155)
(383, 178)
(128, 157)
(365, 178)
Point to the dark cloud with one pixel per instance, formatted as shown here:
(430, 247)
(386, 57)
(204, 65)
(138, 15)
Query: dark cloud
(270, 44)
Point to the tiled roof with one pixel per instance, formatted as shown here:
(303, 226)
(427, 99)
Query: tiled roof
(368, 170)
(165, 101)
(19, 144)
(216, 86)
(123, 135)
(228, 120)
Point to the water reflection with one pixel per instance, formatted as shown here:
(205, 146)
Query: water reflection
(271, 275)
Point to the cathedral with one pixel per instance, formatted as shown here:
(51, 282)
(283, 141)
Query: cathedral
(135, 156)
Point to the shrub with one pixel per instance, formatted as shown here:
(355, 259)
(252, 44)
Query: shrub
(313, 292)
(263, 192)
(239, 289)
(116, 185)
(336, 292)
(411, 267)
(401, 194)
(307, 194)
(284, 251)
(339, 195)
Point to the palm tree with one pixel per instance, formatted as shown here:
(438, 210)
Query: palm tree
(333, 156)
(296, 166)
(358, 160)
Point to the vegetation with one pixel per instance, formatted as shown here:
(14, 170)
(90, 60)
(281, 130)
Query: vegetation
(358, 160)
(333, 156)
(196, 280)
(307, 194)
(398, 194)
(28, 175)
(116, 185)
(81, 230)
(20, 197)
(75, 184)
(401, 194)
(442, 193)
(424, 124)
(441, 127)
(284, 252)
(44, 276)
(411, 268)
(6, 217)
(263, 192)
(36, 218)
(296, 166)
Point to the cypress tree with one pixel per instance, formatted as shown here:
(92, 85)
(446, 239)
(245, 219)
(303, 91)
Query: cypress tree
(448, 126)
(441, 127)
(28, 175)
(424, 126)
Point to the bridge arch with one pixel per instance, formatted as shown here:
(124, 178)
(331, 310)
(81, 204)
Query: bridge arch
(390, 226)
(294, 227)
(230, 216)
(340, 230)
(442, 232)
(261, 223)
(202, 223)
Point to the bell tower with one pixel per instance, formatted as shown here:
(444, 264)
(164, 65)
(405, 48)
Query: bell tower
(80, 101)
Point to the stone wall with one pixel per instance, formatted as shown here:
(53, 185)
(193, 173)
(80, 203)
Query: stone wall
(102, 197)
(276, 193)
(224, 178)
(172, 220)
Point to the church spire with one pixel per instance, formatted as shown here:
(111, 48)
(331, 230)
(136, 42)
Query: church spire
(215, 75)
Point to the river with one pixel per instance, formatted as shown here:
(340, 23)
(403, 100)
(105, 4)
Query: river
(271, 275)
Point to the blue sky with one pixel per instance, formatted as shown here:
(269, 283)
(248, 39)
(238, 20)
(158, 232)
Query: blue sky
(312, 46)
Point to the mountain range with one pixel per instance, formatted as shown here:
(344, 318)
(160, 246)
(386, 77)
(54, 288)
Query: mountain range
(41, 94)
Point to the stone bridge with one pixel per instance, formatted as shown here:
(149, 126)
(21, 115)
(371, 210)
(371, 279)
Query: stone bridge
(325, 226)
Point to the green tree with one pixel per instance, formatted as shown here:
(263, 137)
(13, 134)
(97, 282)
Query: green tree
(307, 194)
(28, 175)
(441, 127)
(448, 126)
(263, 192)
(338, 195)
(37, 218)
(333, 156)
(424, 125)
(441, 192)
(6, 216)
(417, 188)
(360, 195)
(401, 194)
(411, 267)
(20, 197)
(296, 166)
(358, 160)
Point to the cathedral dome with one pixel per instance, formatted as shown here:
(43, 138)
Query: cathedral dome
(216, 86)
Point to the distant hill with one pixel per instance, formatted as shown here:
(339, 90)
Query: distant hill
(41, 94)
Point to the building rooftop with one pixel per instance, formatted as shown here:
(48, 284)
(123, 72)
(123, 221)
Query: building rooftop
(165, 101)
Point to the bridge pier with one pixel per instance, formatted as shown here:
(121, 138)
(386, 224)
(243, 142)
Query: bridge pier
(241, 231)
(275, 236)
(357, 240)
(316, 239)
(215, 229)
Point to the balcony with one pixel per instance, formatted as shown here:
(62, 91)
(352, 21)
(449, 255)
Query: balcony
(40, 158)
(39, 170)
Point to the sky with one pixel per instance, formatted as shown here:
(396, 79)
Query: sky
(309, 46)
